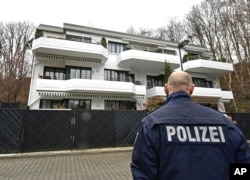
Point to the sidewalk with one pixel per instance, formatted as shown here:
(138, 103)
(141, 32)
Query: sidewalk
(91, 164)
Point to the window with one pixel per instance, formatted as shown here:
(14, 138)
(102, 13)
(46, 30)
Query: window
(52, 104)
(114, 75)
(170, 52)
(62, 104)
(78, 72)
(120, 105)
(114, 47)
(74, 38)
(78, 38)
(153, 81)
(201, 82)
(54, 73)
(45, 104)
(167, 51)
(79, 104)
(87, 39)
(131, 78)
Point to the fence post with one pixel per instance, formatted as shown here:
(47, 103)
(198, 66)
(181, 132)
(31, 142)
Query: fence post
(113, 128)
(72, 125)
(23, 129)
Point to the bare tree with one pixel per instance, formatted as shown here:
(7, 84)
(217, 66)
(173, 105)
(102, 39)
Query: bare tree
(175, 30)
(235, 22)
(14, 66)
(131, 30)
(223, 27)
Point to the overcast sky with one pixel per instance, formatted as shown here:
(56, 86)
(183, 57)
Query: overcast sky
(116, 15)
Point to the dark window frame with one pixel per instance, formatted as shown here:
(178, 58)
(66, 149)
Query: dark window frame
(202, 82)
(119, 105)
(153, 81)
(117, 75)
(54, 73)
(64, 103)
(79, 72)
(115, 47)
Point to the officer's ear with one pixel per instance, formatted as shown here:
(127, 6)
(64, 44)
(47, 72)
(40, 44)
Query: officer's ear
(191, 89)
(166, 88)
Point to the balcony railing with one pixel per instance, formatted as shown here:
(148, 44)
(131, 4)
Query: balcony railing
(46, 48)
(204, 84)
(84, 76)
(90, 85)
(150, 49)
(76, 39)
(194, 57)
(198, 56)
(161, 84)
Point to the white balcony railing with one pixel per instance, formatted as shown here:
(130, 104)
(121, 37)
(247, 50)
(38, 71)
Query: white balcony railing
(227, 96)
(213, 93)
(214, 68)
(155, 91)
(147, 60)
(88, 85)
(69, 48)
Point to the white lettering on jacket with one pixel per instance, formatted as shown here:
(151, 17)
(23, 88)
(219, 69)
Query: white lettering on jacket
(203, 134)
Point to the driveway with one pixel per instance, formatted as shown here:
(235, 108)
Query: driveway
(105, 164)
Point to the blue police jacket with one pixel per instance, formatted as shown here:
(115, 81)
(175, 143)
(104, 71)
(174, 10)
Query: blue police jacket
(184, 140)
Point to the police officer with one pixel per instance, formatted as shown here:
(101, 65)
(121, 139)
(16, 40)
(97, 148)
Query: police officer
(184, 140)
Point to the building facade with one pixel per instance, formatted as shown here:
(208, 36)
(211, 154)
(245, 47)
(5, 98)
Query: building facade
(89, 68)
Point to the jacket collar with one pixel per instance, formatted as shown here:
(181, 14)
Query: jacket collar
(178, 95)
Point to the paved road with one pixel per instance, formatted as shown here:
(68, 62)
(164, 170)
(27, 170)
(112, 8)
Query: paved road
(99, 165)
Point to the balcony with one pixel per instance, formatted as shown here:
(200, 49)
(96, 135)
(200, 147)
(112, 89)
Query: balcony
(90, 85)
(146, 60)
(156, 91)
(200, 94)
(213, 68)
(61, 47)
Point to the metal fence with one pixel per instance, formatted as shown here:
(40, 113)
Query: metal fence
(243, 121)
(23, 130)
(45, 130)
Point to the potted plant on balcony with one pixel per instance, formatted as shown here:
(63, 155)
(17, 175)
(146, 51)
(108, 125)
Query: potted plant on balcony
(38, 33)
(167, 71)
(104, 42)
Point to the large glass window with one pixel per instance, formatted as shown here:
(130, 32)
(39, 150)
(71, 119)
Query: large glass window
(119, 105)
(78, 72)
(68, 104)
(114, 47)
(78, 38)
(153, 81)
(54, 73)
(167, 51)
(74, 38)
(53, 104)
(170, 52)
(114, 75)
(79, 104)
(87, 39)
(201, 82)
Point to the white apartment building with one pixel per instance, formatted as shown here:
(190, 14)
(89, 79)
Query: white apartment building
(72, 69)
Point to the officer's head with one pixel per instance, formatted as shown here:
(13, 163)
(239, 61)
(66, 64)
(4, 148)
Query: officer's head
(179, 81)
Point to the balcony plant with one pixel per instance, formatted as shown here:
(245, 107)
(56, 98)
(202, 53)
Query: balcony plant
(186, 57)
(167, 71)
(38, 33)
(104, 42)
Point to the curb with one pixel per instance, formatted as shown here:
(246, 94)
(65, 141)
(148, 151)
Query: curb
(66, 152)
